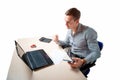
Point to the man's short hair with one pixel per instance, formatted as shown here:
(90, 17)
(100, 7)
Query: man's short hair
(73, 12)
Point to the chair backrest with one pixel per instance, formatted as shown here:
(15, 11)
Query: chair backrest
(100, 45)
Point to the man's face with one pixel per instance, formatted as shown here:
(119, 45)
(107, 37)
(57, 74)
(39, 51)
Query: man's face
(70, 22)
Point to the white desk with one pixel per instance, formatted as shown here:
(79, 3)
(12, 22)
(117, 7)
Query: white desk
(20, 71)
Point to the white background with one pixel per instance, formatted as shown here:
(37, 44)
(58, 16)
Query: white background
(32, 18)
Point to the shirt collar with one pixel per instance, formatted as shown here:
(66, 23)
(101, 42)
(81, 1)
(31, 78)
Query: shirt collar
(80, 28)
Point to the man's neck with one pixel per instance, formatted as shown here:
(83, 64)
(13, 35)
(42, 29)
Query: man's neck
(75, 29)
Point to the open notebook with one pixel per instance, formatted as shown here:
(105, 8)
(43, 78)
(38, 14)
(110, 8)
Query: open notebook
(34, 59)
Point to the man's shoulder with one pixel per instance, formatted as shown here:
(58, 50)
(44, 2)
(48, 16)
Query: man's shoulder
(82, 27)
(87, 28)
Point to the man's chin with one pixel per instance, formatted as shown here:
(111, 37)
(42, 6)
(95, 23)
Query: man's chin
(68, 27)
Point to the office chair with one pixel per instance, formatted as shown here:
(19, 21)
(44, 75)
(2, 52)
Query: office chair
(87, 69)
(100, 45)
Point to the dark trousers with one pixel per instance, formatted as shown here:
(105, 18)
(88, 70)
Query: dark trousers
(85, 69)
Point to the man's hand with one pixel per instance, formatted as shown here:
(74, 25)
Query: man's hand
(56, 38)
(77, 62)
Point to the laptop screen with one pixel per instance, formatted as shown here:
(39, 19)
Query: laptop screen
(19, 49)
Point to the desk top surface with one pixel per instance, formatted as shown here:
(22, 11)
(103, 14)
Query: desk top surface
(20, 71)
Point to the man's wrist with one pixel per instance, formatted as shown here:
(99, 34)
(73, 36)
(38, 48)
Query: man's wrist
(83, 61)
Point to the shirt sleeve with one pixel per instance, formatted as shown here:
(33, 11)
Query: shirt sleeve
(91, 37)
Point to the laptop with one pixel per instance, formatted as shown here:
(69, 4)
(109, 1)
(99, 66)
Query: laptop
(34, 59)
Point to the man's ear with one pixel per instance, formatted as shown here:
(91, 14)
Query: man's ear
(77, 21)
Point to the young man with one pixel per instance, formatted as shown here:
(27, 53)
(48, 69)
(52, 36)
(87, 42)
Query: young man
(83, 42)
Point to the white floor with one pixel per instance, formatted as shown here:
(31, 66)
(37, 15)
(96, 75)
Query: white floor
(24, 18)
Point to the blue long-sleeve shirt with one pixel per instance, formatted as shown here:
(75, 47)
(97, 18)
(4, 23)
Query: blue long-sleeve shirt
(83, 43)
